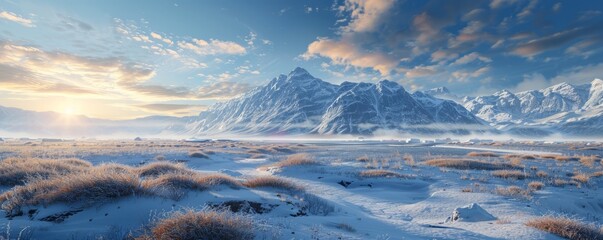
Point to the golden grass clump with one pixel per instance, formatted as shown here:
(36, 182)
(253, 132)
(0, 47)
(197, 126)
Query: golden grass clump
(364, 158)
(542, 174)
(409, 159)
(198, 154)
(535, 185)
(296, 160)
(465, 164)
(589, 161)
(559, 182)
(272, 182)
(175, 181)
(509, 174)
(581, 178)
(520, 156)
(514, 191)
(566, 228)
(16, 171)
(382, 173)
(93, 186)
(173, 185)
(482, 154)
(206, 224)
(159, 168)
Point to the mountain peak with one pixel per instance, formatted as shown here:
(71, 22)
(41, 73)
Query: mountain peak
(391, 86)
(438, 90)
(298, 71)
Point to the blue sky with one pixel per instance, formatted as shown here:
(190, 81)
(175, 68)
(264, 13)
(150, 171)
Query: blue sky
(124, 59)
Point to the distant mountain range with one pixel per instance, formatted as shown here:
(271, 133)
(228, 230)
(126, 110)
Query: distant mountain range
(23, 123)
(299, 103)
(563, 108)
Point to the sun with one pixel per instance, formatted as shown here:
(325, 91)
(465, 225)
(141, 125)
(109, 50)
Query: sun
(68, 110)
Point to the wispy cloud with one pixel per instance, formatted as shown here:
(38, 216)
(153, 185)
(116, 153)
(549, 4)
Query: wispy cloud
(213, 47)
(10, 16)
(347, 53)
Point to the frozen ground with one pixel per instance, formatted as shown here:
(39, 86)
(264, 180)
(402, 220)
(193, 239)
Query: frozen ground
(418, 203)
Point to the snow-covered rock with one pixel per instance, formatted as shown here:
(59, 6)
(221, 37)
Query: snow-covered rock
(470, 213)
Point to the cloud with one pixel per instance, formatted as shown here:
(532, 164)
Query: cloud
(440, 55)
(527, 11)
(16, 18)
(421, 71)
(347, 53)
(366, 15)
(464, 76)
(29, 69)
(580, 48)
(169, 107)
(14, 78)
(470, 58)
(532, 82)
(540, 45)
(162, 38)
(426, 27)
(213, 47)
(499, 3)
(557, 7)
(222, 90)
(579, 75)
(74, 24)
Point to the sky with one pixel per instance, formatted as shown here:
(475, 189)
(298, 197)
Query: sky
(126, 59)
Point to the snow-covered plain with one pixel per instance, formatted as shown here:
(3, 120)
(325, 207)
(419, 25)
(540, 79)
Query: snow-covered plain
(416, 204)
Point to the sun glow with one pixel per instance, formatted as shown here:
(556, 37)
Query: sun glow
(68, 110)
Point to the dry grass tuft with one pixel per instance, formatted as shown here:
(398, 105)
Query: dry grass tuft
(482, 154)
(566, 228)
(93, 186)
(364, 158)
(409, 159)
(299, 159)
(206, 224)
(158, 168)
(535, 185)
(465, 164)
(542, 174)
(382, 173)
(16, 171)
(589, 161)
(559, 182)
(173, 185)
(509, 174)
(514, 191)
(198, 154)
(581, 178)
(272, 182)
(520, 156)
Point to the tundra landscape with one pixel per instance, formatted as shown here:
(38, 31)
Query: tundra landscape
(226, 189)
(310, 119)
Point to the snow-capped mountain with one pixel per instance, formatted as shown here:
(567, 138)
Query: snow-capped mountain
(299, 103)
(572, 109)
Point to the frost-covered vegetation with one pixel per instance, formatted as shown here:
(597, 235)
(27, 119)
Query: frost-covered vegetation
(164, 189)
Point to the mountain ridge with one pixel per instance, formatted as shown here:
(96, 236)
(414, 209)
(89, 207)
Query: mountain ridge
(571, 109)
